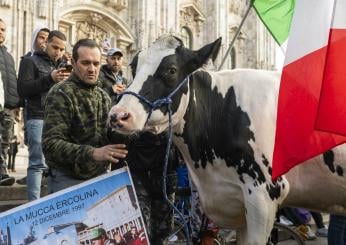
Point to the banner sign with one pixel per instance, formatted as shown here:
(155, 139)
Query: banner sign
(103, 210)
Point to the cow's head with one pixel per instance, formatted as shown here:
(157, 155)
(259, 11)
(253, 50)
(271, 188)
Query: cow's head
(157, 71)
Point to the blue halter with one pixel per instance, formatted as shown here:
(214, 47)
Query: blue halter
(153, 106)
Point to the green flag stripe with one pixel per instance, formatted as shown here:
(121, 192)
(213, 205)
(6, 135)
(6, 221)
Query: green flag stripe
(276, 15)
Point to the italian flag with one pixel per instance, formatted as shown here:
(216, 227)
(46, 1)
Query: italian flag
(276, 15)
(312, 98)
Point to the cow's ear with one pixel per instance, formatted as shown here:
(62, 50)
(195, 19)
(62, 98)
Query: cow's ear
(134, 64)
(209, 51)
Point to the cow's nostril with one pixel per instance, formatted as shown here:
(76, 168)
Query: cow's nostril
(114, 118)
(123, 116)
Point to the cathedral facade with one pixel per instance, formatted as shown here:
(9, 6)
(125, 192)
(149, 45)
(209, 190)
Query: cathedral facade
(133, 24)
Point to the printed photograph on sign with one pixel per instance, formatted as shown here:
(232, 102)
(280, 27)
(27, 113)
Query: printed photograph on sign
(104, 210)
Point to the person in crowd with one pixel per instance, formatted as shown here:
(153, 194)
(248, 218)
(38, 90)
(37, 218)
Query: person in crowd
(337, 230)
(38, 43)
(37, 74)
(134, 237)
(38, 40)
(12, 152)
(99, 237)
(118, 239)
(75, 141)
(9, 109)
(300, 218)
(111, 74)
(321, 230)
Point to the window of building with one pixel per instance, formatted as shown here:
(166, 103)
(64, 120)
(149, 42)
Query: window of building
(233, 58)
(186, 36)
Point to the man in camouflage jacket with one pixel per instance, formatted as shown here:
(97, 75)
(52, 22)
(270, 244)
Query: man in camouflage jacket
(74, 136)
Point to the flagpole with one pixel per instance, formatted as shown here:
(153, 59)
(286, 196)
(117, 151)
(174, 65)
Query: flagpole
(236, 35)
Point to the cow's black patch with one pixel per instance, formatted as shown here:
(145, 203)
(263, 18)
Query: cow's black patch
(216, 127)
(339, 171)
(274, 190)
(265, 161)
(172, 70)
(328, 158)
(250, 191)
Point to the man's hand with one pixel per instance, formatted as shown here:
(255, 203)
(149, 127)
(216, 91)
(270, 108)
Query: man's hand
(110, 153)
(60, 75)
(118, 88)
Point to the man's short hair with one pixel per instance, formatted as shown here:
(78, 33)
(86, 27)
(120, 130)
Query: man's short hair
(83, 43)
(56, 33)
(45, 29)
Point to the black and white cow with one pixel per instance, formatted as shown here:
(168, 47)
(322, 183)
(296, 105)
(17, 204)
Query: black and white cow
(224, 124)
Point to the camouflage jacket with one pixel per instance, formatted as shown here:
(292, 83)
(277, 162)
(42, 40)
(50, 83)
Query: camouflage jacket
(74, 124)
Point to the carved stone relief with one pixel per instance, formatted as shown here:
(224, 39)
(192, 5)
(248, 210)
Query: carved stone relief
(117, 4)
(5, 3)
(92, 31)
(42, 8)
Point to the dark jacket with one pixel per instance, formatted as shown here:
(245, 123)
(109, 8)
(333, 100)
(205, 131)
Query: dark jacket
(107, 80)
(34, 81)
(9, 79)
(74, 124)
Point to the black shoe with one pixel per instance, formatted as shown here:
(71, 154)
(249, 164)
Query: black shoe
(21, 181)
(6, 180)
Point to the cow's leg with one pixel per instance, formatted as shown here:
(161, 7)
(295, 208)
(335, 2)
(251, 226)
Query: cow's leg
(260, 217)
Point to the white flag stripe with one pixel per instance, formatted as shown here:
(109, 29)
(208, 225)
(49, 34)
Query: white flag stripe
(339, 21)
(310, 28)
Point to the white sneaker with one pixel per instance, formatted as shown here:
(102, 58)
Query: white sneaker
(285, 221)
(310, 234)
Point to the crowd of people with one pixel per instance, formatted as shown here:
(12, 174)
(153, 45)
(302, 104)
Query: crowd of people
(66, 99)
(99, 236)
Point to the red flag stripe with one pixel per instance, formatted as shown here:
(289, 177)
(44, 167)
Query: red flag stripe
(296, 139)
(332, 107)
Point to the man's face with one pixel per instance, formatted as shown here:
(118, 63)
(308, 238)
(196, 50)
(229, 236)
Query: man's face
(87, 67)
(115, 62)
(55, 48)
(41, 40)
(97, 242)
(2, 33)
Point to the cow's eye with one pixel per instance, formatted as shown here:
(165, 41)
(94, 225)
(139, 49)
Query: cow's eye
(172, 70)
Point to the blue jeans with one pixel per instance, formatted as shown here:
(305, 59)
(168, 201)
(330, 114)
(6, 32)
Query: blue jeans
(36, 159)
(337, 230)
(58, 181)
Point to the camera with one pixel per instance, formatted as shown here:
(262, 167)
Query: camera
(68, 67)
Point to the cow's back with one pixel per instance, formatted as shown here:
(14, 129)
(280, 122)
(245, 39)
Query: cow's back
(320, 183)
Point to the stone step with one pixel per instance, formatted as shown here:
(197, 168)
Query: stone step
(15, 195)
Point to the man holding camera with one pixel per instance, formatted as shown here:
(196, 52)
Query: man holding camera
(37, 74)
